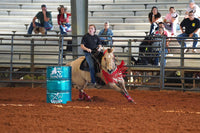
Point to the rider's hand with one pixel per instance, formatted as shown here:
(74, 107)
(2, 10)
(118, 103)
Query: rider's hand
(89, 50)
(34, 25)
(99, 49)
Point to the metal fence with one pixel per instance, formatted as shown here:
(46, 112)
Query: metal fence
(24, 60)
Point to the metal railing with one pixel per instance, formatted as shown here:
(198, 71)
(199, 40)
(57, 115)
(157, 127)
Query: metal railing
(24, 60)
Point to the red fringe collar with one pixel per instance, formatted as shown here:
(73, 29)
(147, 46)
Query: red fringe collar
(115, 76)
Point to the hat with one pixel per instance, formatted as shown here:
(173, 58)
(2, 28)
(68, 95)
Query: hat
(191, 1)
(43, 5)
(61, 6)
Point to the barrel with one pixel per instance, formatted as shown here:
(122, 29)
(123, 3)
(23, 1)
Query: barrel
(58, 84)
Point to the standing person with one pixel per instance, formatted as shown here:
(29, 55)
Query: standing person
(63, 20)
(90, 42)
(193, 7)
(191, 25)
(154, 19)
(45, 20)
(106, 32)
(166, 33)
(171, 21)
(161, 32)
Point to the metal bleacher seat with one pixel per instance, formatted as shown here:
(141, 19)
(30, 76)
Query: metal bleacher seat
(12, 11)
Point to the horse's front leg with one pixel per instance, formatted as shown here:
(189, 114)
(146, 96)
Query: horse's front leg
(122, 84)
(122, 90)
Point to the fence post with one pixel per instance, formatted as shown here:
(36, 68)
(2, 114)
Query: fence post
(129, 59)
(32, 61)
(61, 51)
(162, 63)
(182, 63)
(60, 54)
(11, 58)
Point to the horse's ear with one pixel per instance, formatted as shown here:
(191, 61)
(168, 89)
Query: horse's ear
(112, 49)
(103, 48)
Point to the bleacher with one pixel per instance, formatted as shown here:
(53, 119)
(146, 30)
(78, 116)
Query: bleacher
(127, 18)
(15, 14)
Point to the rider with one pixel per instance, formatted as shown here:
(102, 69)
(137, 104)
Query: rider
(90, 42)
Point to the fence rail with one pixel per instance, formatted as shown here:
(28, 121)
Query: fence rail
(24, 60)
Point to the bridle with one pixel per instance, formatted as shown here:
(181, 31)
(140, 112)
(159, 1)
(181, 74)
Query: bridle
(104, 66)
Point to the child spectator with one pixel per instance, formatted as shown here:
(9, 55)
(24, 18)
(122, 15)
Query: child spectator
(171, 21)
(63, 20)
(157, 51)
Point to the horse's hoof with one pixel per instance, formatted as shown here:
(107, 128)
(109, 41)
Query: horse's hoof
(132, 101)
(89, 100)
(80, 99)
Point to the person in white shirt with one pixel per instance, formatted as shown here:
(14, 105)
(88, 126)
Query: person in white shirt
(193, 7)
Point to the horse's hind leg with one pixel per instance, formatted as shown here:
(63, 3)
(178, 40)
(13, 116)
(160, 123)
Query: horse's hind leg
(83, 95)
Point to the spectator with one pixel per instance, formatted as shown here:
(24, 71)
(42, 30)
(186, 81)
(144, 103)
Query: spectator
(45, 20)
(90, 42)
(191, 25)
(166, 33)
(171, 21)
(154, 19)
(106, 32)
(193, 7)
(63, 20)
(157, 51)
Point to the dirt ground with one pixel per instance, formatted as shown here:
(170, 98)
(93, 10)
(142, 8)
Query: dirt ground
(23, 110)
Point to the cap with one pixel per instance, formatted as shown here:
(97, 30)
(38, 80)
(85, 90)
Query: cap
(43, 5)
(191, 1)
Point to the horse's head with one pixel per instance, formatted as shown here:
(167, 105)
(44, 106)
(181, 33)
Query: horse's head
(108, 60)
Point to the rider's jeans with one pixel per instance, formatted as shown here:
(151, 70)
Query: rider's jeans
(90, 62)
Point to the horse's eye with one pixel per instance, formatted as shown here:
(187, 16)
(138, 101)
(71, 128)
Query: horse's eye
(104, 58)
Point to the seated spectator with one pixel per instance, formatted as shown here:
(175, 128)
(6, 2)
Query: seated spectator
(45, 20)
(191, 25)
(154, 19)
(193, 7)
(106, 32)
(63, 20)
(171, 21)
(157, 50)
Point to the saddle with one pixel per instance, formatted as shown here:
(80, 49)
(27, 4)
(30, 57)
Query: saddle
(97, 56)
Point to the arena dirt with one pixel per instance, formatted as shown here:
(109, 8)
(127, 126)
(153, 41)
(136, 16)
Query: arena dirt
(24, 110)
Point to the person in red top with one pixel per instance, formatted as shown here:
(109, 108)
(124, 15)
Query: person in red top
(161, 32)
(63, 20)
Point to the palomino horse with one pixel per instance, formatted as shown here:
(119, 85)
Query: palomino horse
(110, 73)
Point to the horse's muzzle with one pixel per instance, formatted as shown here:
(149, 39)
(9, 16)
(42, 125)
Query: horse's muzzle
(110, 71)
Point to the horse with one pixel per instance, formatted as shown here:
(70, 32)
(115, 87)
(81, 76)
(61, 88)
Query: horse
(111, 73)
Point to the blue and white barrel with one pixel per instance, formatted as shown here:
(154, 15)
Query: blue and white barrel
(58, 84)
